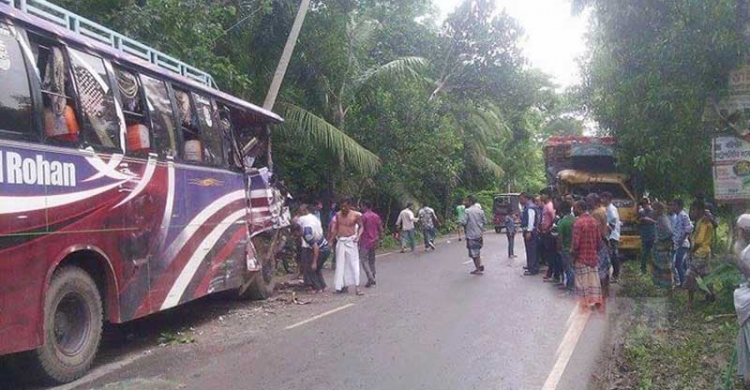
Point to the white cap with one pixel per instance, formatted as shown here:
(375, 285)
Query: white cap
(743, 222)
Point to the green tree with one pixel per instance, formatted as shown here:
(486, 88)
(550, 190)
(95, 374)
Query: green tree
(650, 69)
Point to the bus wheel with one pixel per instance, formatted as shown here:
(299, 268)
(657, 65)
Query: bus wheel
(261, 288)
(72, 326)
(261, 283)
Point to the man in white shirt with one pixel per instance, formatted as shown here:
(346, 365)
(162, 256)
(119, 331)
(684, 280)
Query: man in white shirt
(315, 249)
(530, 234)
(406, 221)
(613, 222)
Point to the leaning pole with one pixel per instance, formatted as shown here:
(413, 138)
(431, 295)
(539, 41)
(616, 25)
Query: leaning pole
(278, 76)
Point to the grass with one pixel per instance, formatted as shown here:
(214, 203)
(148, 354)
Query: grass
(666, 346)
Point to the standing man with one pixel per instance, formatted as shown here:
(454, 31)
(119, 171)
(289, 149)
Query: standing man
(548, 244)
(613, 222)
(584, 250)
(530, 237)
(700, 253)
(429, 220)
(346, 232)
(564, 241)
(406, 221)
(475, 221)
(372, 233)
(647, 225)
(681, 231)
(315, 249)
(461, 215)
(510, 231)
(599, 213)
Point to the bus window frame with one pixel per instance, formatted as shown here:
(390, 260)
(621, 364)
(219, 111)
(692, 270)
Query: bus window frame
(201, 128)
(207, 131)
(173, 108)
(116, 65)
(237, 148)
(34, 134)
(180, 152)
(35, 38)
(79, 110)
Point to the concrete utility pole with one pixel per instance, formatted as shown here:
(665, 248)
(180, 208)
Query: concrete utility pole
(278, 77)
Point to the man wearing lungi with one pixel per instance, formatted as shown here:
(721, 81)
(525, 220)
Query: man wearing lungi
(474, 225)
(346, 231)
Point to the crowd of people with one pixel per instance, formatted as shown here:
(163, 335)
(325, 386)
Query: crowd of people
(350, 241)
(574, 241)
(578, 242)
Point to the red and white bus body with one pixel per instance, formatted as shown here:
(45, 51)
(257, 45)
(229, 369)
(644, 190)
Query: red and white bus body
(154, 230)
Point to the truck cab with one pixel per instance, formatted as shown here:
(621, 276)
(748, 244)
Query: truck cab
(583, 165)
(502, 205)
(581, 183)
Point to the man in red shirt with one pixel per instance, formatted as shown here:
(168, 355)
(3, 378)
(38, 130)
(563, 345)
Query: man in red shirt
(586, 243)
(372, 231)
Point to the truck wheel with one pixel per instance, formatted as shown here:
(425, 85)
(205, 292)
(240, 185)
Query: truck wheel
(72, 326)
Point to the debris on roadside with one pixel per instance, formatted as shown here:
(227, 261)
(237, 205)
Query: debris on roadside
(168, 338)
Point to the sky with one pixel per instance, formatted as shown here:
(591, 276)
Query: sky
(554, 37)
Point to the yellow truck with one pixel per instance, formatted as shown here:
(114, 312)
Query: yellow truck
(582, 165)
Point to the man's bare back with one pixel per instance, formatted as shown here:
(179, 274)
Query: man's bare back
(346, 223)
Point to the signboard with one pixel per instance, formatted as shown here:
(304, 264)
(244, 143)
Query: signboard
(731, 168)
(730, 114)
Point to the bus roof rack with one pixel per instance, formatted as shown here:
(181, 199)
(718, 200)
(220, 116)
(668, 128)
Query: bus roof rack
(87, 28)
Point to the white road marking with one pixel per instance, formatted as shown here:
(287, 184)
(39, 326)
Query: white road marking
(385, 254)
(311, 319)
(468, 262)
(577, 323)
(100, 372)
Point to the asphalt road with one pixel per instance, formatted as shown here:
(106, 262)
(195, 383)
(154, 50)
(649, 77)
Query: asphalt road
(428, 324)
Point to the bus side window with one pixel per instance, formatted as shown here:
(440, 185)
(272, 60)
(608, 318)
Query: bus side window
(60, 120)
(231, 149)
(137, 135)
(210, 131)
(162, 117)
(192, 147)
(15, 95)
(97, 101)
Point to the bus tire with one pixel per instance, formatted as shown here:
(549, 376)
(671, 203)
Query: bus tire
(261, 288)
(72, 327)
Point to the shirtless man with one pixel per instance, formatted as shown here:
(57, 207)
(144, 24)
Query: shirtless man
(346, 232)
